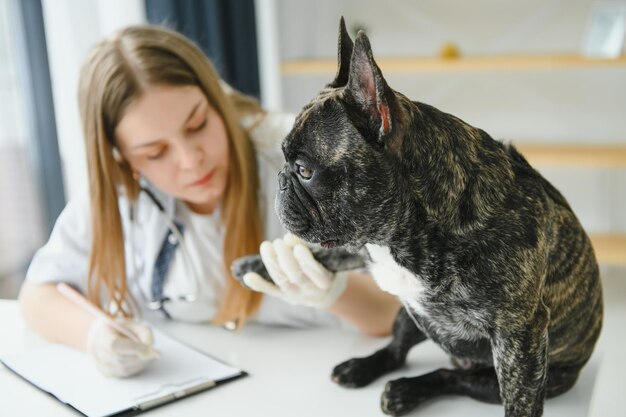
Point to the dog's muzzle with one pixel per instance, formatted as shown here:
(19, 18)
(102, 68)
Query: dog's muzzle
(283, 181)
(295, 206)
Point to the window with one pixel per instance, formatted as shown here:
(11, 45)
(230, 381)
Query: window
(25, 143)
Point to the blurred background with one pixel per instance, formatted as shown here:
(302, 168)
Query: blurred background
(547, 75)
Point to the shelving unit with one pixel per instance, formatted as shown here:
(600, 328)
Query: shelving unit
(478, 63)
(571, 155)
(610, 248)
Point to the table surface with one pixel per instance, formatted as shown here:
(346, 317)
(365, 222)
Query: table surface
(289, 376)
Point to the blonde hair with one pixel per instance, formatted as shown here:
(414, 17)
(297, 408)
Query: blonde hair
(117, 71)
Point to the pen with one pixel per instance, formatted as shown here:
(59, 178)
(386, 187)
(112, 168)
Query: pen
(81, 301)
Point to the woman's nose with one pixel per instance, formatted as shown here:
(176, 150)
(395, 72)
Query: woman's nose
(190, 155)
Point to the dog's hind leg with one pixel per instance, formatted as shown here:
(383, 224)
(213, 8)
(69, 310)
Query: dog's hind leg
(404, 394)
(561, 379)
(359, 372)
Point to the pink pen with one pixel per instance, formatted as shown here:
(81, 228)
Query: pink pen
(78, 298)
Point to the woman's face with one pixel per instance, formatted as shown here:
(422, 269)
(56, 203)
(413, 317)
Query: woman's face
(176, 140)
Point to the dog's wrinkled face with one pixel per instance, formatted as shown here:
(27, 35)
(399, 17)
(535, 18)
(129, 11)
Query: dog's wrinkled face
(340, 179)
(332, 181)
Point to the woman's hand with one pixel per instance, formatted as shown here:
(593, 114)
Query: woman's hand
(299, 278)
(116, 355)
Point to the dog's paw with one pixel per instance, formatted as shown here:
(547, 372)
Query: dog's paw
(355, 373)
(358, 372)
(401, 396)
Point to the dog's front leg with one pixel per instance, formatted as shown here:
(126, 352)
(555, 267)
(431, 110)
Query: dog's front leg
(520, 357)
(358, 372)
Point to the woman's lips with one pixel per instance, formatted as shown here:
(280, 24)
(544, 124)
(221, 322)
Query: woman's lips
(204, 180)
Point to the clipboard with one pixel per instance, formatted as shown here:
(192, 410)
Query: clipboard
(69, 376)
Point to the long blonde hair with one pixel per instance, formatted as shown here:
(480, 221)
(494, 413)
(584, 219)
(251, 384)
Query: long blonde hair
(117, 71)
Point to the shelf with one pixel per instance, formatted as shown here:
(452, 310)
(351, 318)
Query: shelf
(611, 156)
(610, 248)
(402, 65)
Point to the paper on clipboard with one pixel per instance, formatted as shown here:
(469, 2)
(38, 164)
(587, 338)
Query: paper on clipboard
(69, 375)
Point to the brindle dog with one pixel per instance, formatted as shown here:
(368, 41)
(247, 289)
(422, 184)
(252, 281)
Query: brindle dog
(486, 255)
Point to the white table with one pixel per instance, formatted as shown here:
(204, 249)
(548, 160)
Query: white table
(289, 376)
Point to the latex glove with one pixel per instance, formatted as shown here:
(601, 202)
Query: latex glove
(300, 279)
(116, 355)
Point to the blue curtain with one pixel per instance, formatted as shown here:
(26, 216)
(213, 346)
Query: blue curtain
(28, 21)
(225, 30)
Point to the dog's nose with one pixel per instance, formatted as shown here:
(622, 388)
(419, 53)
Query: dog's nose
(282, 181)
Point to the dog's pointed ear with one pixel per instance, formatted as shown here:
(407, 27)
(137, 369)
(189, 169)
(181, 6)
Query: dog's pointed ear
(344, 53)
(368, 89)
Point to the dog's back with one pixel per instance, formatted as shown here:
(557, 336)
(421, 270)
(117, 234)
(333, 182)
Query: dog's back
(572, 289)
(502, 201)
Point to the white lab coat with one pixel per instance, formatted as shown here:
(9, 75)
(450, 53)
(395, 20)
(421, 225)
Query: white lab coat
(65, 257)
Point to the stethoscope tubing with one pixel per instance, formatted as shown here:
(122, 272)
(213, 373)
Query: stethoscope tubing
(189, 297)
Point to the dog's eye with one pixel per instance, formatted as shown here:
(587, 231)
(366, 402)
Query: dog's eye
(304, 172)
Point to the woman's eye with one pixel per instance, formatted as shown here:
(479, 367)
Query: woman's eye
(156, 156)
(198, 127)
(304, 172)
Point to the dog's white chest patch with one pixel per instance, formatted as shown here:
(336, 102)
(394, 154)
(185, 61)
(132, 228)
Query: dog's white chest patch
(393, 278)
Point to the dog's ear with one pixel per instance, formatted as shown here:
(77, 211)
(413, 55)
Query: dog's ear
(344, 53)
(368, 89)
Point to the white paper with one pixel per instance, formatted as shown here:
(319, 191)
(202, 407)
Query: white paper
(69, 375)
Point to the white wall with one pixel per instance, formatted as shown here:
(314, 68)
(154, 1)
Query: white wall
(568, 105)
(269, 54)
(574, 105)
(533, 105)
(72, 27)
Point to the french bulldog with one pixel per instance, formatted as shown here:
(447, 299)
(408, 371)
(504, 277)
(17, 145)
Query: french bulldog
(485, 254)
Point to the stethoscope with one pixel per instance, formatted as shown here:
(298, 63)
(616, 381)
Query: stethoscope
(175, 237)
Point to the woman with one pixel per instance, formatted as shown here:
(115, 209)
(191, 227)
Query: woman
(182, 173)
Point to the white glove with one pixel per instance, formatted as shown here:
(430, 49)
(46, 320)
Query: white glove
(299, 278)
(114, 354)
